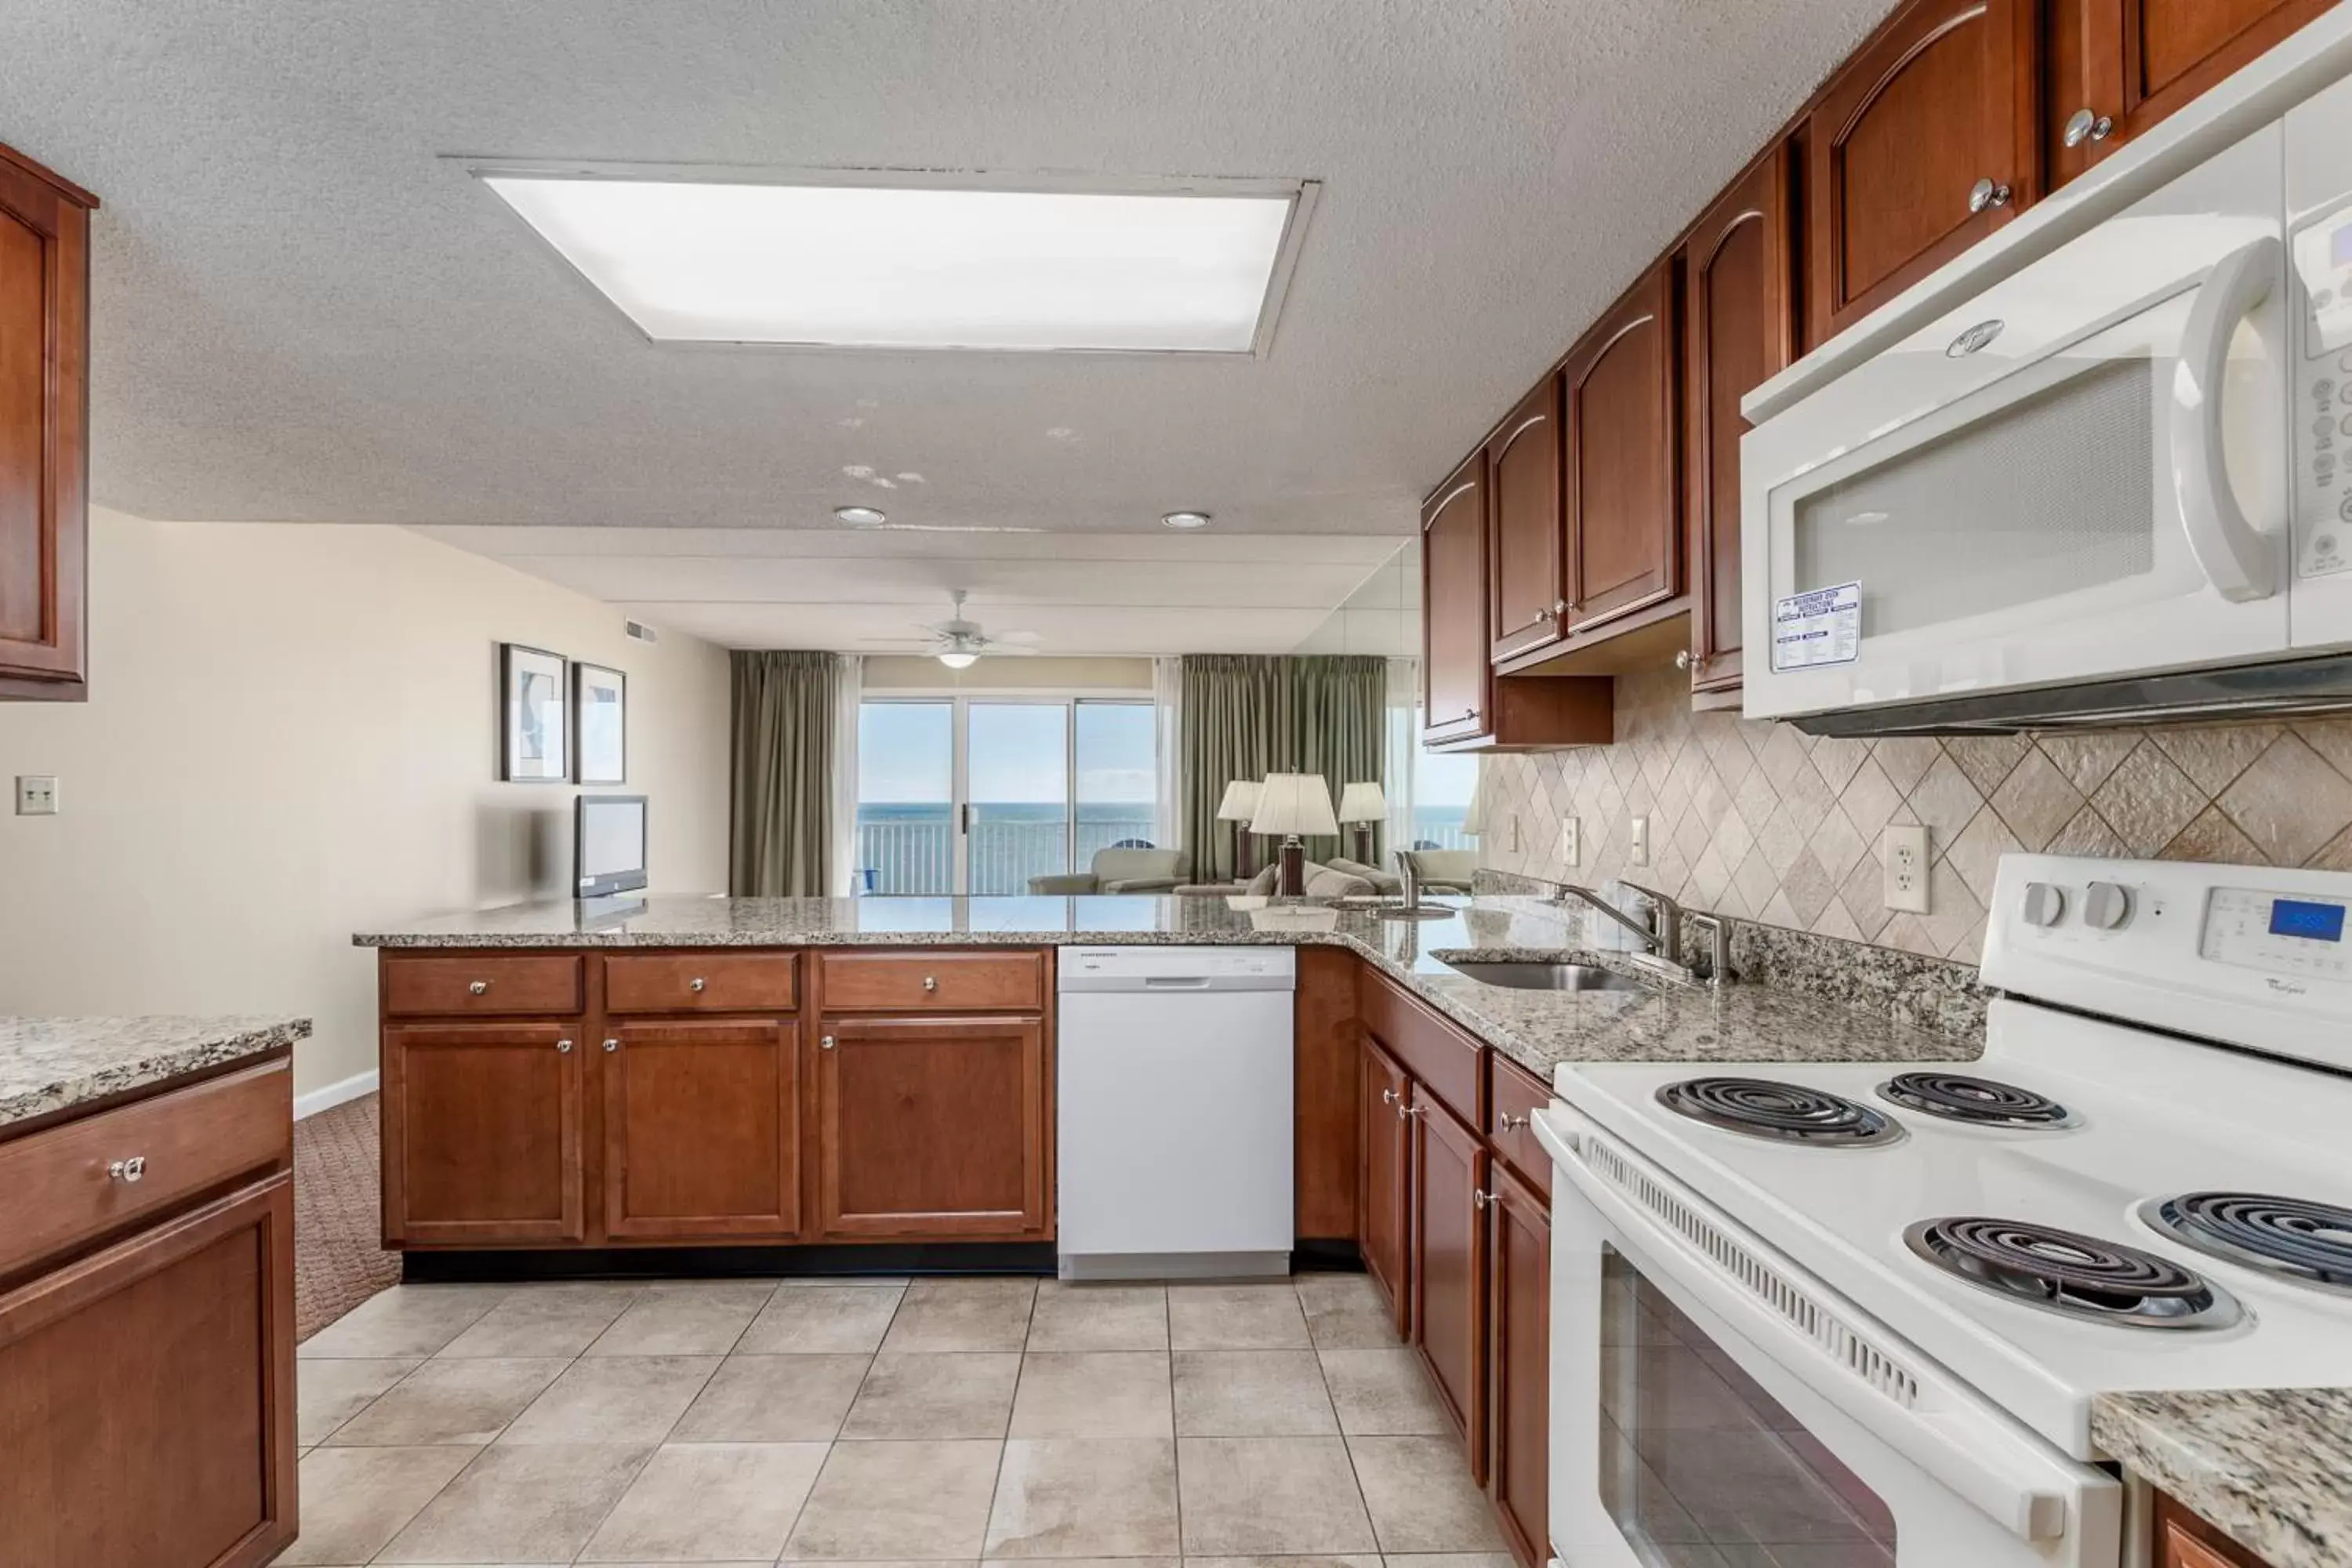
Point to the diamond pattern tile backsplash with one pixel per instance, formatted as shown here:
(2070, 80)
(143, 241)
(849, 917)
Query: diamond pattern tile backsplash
(1760, 820)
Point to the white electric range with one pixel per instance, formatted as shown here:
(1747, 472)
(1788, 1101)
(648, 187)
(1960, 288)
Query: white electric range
(1854, 1315)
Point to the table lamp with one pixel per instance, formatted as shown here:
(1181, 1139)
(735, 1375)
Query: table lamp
(1238, 806)
(1363, 805)
(1292, 805)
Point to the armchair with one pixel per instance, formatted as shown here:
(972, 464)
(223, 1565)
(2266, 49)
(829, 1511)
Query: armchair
(1121, 871)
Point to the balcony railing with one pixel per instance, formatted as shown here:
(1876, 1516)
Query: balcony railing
(900, 855)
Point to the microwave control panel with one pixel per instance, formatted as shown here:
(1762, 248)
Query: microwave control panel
(2279, 933)
(2321, 414)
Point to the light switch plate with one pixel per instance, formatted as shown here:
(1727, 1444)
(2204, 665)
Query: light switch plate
(1904, 853)
(1571, 846)
(1638, 852)
(37, 794)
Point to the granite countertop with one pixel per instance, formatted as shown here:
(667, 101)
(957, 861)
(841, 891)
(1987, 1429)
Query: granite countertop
(1538, 1029)
(48, 1065)
(2271, 1466)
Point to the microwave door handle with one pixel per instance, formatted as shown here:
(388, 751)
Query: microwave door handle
(2238, 558)
(1964, 1450)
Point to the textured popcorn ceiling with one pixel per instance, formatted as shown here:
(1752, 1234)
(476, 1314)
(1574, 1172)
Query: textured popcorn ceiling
(1761, 820)
(303, 312)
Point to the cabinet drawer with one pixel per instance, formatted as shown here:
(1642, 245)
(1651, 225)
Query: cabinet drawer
(1437, 1053)
(56, 1189)
(492, 983)
(1513, 1096)
(894, 982)
(701, 982)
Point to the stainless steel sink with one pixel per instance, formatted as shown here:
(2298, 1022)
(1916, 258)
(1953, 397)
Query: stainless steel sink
(1520, 976)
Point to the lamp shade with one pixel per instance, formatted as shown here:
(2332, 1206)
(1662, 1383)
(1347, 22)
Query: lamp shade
(1295, 802)
(1362, 803)
(1240, 803)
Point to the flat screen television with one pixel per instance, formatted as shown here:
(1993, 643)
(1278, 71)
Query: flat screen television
(608, 844)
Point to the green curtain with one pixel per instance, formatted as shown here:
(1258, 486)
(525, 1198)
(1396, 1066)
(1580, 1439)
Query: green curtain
(781, 801)
(1248, 715)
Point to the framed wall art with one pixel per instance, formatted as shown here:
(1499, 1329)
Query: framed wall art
(600, 724)
(534, 739)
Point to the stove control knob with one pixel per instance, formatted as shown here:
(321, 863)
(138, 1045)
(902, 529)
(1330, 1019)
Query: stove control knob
(2044, 905)
(2107, 906)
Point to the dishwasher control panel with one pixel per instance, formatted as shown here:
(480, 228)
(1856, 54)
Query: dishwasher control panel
(1142, 966)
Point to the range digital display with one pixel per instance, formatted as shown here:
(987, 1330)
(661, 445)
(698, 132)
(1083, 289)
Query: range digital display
(2313, 922)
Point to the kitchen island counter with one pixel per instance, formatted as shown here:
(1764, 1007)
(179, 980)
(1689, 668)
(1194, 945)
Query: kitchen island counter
(52, 1065)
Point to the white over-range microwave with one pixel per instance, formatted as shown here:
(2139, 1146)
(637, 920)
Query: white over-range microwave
(2099, 470)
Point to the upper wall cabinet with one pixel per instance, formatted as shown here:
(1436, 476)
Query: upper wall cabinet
(1454, 638)
(1738, 331)
(1619, 384)
(1922, 145)
(44, 429)
(2117, 66)
(1524, 530)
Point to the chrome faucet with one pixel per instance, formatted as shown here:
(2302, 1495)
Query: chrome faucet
(1402, 859)
(1662, 935)
(1650, 934)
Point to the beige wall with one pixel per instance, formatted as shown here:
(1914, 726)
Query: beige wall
(1759, 819)
(893, 672)
(292, 733)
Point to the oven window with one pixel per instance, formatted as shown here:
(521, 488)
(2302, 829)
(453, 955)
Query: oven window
(1700, 1467)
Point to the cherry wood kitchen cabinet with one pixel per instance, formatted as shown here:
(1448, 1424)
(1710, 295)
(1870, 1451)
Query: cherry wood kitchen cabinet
(1328, 1111)
(1524, 533)
(1739, 332)
(2183, 1540)
(1924, 142)
(1518, 1360)
(1449, 1265)
(44, 431)
(1454, 668)
(1385, 1207)
(702, 1128)
(1623, 545)
(147, 1410)
(937, 1128)
(2116, 67)
(482, 1133)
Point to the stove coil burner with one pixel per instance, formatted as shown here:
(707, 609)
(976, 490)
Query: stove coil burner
(1764, 1108)
(2077, 1276)
(2296, 1240)
(1979, 1102)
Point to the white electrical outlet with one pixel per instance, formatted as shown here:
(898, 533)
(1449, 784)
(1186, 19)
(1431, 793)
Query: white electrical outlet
(1571, 846)
(1904, 853)
(37, 794)
(1638, 852)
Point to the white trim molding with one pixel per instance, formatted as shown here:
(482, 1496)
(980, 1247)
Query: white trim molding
(335, 1094)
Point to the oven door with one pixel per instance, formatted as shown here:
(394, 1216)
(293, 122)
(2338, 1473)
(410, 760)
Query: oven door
(1714, 1407)
(2080, 473)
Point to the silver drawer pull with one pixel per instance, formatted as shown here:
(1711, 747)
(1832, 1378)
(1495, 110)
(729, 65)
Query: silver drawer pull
(826, 1042)
(612, 1044)
(695, 983)
(564, 1047)
(930, 983)
(1413, 1110)
(129, 1170)
(1513, 1123)
(1479, 1199)
(478, 986)
(1987, 193)
(1388, 1096)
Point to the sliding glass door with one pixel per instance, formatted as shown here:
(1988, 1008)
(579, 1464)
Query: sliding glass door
(978, 795)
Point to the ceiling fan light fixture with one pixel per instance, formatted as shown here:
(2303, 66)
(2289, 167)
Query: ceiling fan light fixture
(1186, 521)
(959, 660)
(861, 516)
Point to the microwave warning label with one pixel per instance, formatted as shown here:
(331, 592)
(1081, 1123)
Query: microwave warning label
(1823, 626)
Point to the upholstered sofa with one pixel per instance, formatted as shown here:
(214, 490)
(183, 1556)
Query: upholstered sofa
(1443, 870)
(1121, 871)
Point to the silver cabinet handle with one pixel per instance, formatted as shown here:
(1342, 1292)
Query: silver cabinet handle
(129, 1170)
(695, 983)
(931, 982)
(1681, 658)
(1513, 1123)
(478, 986)
(2087, 125)
(1560, 607)
(564, 1047)
(1413, 1110)
(1480, 1200)
(1988, 193)
(1546, 613)
(1388, 1096)
(826, 1042)
(612, 1044)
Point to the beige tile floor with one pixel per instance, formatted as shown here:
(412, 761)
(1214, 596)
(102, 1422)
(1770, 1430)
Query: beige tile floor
(931, 1423)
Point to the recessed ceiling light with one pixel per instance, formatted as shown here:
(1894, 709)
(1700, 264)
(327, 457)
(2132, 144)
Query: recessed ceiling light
(875, 260)
(1185, 519)
(861, 516)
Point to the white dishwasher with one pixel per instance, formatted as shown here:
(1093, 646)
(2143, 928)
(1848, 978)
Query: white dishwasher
(1173, 1115)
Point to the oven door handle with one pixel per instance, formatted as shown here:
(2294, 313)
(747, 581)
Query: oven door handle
(2238, 557)
(1975, 1452)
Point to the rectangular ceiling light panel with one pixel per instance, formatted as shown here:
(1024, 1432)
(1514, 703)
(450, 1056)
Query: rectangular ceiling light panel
(904, 266)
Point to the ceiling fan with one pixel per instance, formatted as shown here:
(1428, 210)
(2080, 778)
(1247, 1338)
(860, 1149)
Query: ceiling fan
(959, 643)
